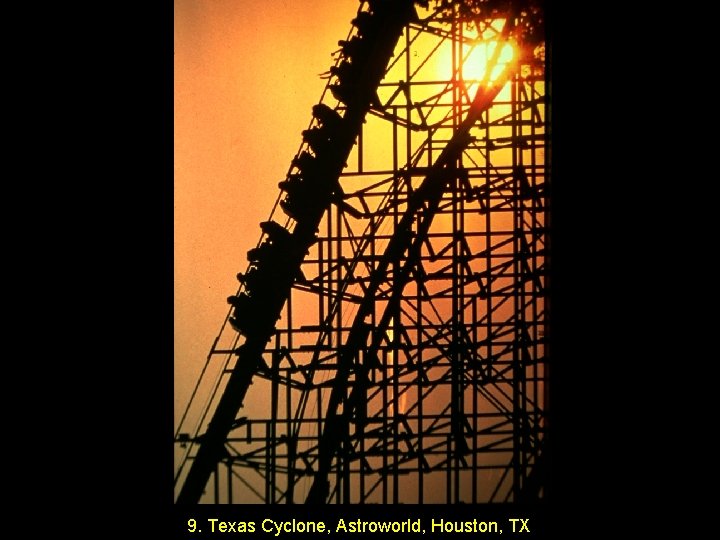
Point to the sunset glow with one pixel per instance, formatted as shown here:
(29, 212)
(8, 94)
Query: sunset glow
(478, 58)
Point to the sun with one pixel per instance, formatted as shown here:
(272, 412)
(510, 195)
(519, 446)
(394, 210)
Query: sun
(478, 59)
(485, 55)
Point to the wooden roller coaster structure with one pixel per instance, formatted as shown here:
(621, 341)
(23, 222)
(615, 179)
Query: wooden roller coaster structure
(388, 339)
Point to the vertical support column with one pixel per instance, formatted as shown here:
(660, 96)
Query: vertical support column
(291, 440)
(475, 382)
(319, 415)
(449, 469)
(456, 357)
(485, 196)
(216, 484)
(398, 184)
(519, 266)
(271, 473)
(229, 482)
(385, 424)
(346, 466)
(268, 461)
(516, 270)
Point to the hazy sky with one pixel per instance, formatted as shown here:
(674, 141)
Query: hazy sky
(246, 77)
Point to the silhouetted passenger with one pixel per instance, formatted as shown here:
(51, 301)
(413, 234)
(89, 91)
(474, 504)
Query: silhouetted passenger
(242, 317)
(352, 48)
(299, 206)
(364, 23)
(260, 253)
(242, 301)
(327, 117)
(288, 207)
(306, 163)
(276, 232)
(345, 72)
(253, 280)
(295, 205)
(342, 92)
(373, 4)
(317, 138)
(292, 185)
(278, 235)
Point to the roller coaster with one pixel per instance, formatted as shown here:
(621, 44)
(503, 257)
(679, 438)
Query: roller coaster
(388, 339)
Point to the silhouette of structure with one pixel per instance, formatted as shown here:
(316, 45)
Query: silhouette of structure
(387, 341)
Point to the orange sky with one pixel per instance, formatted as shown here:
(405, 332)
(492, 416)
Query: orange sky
(246, 77)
